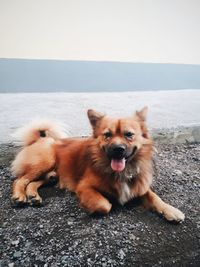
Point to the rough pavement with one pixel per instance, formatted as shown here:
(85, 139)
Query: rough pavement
(62, 234)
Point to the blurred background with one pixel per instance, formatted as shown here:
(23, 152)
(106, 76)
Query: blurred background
(59, 58)
(99, 45)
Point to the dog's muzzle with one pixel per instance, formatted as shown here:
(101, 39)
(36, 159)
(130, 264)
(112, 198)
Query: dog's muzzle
(116, 151)
(118, 155)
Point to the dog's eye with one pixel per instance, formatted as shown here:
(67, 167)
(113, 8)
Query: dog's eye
(107, 135)
(129, 134)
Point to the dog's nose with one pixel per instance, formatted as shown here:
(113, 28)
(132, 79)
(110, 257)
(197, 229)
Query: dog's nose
(117, 151)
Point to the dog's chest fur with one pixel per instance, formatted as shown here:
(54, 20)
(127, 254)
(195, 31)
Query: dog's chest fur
(124, 184)
(125, 193)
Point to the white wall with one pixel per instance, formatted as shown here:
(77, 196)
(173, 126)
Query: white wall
(116, 30)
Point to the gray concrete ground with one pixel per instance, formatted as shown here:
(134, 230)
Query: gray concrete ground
(167, 109)
(60, 233)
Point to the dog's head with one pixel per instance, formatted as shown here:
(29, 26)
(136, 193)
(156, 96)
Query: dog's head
(120, 139)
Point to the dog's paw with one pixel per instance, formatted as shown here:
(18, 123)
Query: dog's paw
(173, 214)
(102, 206)
(19, 200)
(35, 200)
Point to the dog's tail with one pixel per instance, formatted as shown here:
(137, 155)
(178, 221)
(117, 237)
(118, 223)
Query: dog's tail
(37, 129)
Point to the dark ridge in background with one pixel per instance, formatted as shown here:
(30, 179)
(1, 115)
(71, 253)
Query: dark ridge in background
(29, 75)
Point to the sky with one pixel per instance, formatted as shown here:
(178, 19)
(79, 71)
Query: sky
(165, 31)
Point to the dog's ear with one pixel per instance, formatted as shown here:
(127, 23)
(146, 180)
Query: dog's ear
(142, 114)
(94, 117)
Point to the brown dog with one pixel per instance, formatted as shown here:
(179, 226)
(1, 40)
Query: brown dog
(115, 161)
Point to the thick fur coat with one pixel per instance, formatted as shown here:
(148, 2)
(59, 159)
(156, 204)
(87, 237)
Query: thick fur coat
(116, 162)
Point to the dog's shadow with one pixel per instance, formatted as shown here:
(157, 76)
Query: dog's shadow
(117, 207)
(51, 190)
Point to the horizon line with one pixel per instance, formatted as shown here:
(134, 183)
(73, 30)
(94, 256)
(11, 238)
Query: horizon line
(96, 61)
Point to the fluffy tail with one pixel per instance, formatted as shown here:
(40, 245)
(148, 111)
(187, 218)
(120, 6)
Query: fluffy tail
(36, 129)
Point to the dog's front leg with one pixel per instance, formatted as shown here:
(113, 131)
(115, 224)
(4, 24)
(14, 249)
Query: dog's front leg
(152, 201)
(92, 200)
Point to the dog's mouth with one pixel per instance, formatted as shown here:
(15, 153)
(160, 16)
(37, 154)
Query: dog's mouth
(118, 162)
(118, 165)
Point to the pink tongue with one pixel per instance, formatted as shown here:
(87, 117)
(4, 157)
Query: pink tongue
(118, 164)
